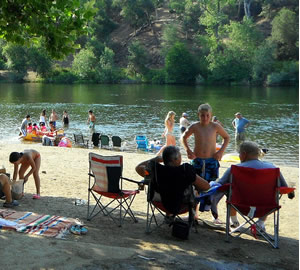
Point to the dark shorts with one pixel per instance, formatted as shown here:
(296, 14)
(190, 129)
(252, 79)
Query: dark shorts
(182, 129)
(207, 168)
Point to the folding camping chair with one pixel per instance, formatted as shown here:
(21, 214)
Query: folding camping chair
(155, 207)
(141, 142)
(116, 141)
(96, 138)
(80, 141)
(106, 182)
(104, 139)
(255, 193)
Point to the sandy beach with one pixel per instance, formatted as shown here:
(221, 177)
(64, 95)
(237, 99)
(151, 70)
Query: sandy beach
(64, 178)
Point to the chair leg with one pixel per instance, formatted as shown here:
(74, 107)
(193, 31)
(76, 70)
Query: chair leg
(227, 222)
(147, 221)
(276, 229)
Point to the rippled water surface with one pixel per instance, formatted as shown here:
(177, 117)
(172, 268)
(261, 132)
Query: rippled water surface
(129, 110)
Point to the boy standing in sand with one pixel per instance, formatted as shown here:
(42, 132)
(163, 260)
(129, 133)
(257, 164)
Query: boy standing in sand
(205, 158)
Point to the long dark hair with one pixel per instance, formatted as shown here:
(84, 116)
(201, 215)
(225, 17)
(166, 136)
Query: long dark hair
(15, 156)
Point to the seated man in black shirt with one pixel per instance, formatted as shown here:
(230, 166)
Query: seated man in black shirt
(173, 178)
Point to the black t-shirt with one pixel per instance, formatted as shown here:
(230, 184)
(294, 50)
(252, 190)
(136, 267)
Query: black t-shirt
(171, 184)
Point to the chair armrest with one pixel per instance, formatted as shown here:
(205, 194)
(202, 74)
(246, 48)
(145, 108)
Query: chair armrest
(130, 180)
(90, 174)
(285, 190)
(140, 184)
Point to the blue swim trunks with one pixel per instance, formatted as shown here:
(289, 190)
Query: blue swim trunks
(207, 168)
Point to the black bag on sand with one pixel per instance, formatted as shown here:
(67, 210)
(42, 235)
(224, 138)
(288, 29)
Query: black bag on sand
(181, 229)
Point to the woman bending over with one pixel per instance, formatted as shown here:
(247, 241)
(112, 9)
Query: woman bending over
(28, 158)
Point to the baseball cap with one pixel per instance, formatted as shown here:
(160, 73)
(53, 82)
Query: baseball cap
(238, 113)
(185, 114)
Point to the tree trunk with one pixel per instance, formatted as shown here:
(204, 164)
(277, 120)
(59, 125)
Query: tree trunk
(247, 4)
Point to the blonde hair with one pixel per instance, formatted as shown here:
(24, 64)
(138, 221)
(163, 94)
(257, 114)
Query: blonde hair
(169, 115)
(204, 107)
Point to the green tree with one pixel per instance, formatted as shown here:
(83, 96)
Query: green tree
(106, 70)
(285, 32)
(227, 66)
(234, 61)
(137, 59)
(102, 24)
(16, 59)
(191, 16)
(178, 6)
(84, 64)
(263, 62)
(59, 23)
(180, 66)
(136, 12)
(169, 37)
(39, 61)
(213, 16)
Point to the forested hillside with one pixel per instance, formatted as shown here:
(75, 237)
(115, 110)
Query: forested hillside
(253, 42)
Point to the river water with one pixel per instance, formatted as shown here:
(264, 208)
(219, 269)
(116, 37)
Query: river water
(130, 110)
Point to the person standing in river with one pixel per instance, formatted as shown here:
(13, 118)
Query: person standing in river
(43, 118)
(91, 121)
(65, 119)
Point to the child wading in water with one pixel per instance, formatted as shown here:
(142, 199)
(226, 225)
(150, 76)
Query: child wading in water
(27, 158)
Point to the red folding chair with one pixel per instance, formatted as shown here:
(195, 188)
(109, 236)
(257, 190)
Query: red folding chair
(106, 181)
(255, 193)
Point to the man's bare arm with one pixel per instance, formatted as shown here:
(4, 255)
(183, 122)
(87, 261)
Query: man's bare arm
(201, 184)
(141, 168)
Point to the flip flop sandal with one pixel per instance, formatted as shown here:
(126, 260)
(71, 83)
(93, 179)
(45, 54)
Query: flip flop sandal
(83, 230)
(75, 230)
(36, 197)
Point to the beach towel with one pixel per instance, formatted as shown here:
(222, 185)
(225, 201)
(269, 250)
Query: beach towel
(35, 224)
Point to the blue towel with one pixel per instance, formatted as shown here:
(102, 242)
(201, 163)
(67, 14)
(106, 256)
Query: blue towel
(208, 198)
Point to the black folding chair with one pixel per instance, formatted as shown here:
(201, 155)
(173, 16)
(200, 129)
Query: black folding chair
(157, 214)
(104, 139)
(80, 141)
(116, 141)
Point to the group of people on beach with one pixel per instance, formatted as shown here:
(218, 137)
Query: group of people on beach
(28, 127)
(239, 124)
(204, 168)
(202, 172)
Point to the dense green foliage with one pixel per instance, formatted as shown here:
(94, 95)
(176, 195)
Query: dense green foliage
(58, 23)
(206, 41)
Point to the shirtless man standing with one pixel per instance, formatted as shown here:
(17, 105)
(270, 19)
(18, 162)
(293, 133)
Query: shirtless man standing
(28, 158)
(205, 158)
(91, 121)
(53, 117)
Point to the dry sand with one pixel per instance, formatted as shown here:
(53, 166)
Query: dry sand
(106, 246)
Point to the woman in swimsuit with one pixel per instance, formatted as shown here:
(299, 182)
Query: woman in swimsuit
(43, 117)
(27, 158)
(168, 133)
(65, 119)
